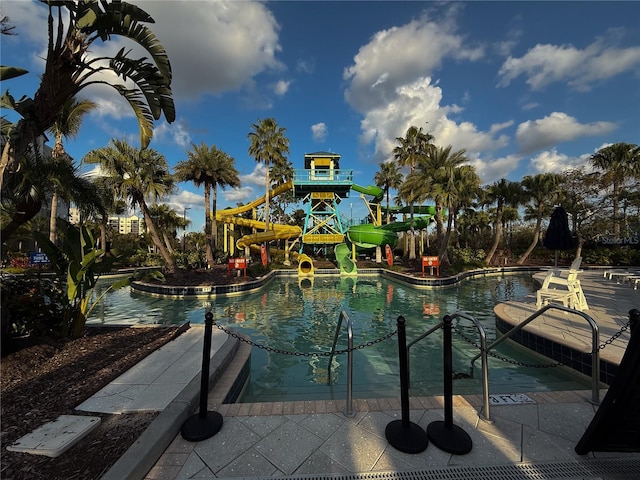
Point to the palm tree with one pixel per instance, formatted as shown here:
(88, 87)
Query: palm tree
(463, 190)
(620, 162)
(146, 83)
(270, 146)
(280, 174)
(105, 190)
(168, 222)
(66, 125)
(388, 177)
(434, 178)
(26, 190)
(136, 175)
(413, 146)
(542, 191)
(502, 192)
(210, 167)
(579, 198)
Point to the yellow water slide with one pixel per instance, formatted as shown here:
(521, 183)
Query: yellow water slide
(278, 232)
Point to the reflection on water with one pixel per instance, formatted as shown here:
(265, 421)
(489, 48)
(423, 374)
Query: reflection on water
(298, 317)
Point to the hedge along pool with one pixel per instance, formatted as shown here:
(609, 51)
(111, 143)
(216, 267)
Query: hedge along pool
(298, 317)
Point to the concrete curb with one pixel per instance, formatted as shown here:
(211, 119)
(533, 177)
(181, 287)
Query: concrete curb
(147, 449)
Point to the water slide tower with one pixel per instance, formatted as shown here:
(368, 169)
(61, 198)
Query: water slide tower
(322, 185)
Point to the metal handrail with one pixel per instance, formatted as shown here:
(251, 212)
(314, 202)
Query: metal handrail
(348, 409)
(595, 340)
(483, 353)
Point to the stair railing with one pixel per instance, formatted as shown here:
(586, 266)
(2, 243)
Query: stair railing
(348, 409)
(595, 340)
(483, 354)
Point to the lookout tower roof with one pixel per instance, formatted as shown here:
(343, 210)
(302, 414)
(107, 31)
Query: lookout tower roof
(309, 157)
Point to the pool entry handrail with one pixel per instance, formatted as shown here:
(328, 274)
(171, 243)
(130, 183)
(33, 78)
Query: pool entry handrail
(483, 353)
(595, 340)
(348, 409)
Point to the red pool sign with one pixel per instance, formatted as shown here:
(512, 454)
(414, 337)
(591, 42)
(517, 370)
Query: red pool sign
(431, 262)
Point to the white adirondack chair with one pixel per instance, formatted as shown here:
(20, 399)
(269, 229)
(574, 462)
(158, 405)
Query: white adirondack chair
(565, 289)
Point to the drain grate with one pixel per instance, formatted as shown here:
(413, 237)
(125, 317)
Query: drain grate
(608, 469)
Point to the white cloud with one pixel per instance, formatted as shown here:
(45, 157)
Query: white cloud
(493, 169)
(238, 195)
(281, 87)
(319, 132)
(418, 104)
(177, 133)
(552, 161)
(557, 127)
(306, 66)
(215, 45)
(545, 64)
(399, 56)
(256, 177)
(185, 199)
(390, 83)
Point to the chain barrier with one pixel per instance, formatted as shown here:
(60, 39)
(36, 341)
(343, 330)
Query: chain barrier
(603, 345)
(303, 354)
(623, 329)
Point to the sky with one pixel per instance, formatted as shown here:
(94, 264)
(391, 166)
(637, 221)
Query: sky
(524, 87)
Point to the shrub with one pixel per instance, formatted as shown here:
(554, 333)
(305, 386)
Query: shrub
(464, 258)
(31, 306)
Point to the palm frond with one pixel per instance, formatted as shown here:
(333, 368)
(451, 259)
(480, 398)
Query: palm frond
(148, 79)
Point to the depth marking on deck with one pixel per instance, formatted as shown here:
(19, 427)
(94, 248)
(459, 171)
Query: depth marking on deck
(510, 399)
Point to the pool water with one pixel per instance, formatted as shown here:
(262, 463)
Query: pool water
(298, 317)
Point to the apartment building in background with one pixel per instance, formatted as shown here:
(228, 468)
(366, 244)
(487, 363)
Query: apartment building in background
(121, 224)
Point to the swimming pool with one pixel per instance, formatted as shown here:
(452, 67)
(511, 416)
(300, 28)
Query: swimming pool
(299, 316)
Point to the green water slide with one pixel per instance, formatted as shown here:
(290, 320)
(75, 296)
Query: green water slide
(370, 236)
(343, 257)
(376, 192)
(367, 236)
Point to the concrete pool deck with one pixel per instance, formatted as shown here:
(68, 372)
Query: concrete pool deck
(534, 438)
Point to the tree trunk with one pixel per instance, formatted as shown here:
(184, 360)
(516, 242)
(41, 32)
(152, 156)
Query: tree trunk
(207, 225)
(498, 236)
(266, 200)
(266, 212)
(53, 234)
(412, 232)
(151, 228)
(103, 235)
(214, 221)
(536, 238)
(439, 224)
(444, 257)
(167, 242)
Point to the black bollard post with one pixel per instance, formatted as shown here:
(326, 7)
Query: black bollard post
(402, 434)
(445, 435)
(204, 424)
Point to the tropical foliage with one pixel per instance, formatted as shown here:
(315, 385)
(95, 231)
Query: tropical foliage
(73, 28)
(388, 177)
(412, 148)
(66, 125)
(212, 168)
(270, 146)
(79, 264)
(136, 175)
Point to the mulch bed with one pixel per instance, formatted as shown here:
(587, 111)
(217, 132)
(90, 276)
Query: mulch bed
(44, 378)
